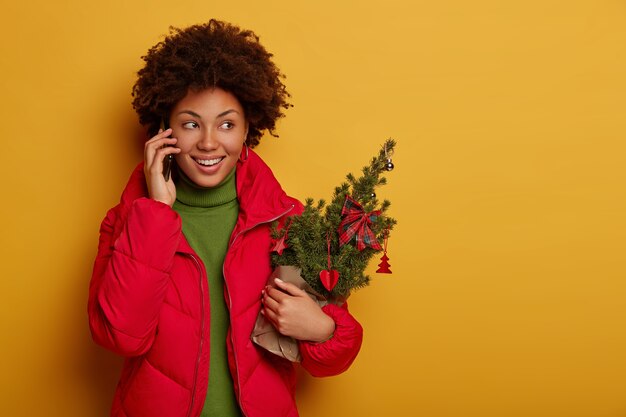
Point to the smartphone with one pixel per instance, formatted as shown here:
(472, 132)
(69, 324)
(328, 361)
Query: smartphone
(167, 162)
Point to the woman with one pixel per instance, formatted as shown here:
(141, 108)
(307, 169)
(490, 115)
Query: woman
(183, 260)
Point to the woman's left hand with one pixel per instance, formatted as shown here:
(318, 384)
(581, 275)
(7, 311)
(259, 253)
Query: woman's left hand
(293, 313)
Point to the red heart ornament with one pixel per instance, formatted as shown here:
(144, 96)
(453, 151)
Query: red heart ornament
(329, 278)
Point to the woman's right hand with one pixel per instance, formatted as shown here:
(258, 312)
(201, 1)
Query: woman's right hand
(155, 151)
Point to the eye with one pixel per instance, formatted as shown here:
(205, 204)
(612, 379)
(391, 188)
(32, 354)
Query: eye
(227, 125)
(190, 125)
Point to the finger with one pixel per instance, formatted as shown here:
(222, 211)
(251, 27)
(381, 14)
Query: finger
(159, 143)
(159, 155)
(157, 140)
(269, 302)
(276, 294)
(289, 288)
(271, 316)
(161, 134)
(156, 167)
(157, 150)
(166, 150)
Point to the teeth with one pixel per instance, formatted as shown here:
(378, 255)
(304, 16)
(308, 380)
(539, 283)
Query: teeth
(208, 162)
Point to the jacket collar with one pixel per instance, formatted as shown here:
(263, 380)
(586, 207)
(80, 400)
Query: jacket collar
(261, 198)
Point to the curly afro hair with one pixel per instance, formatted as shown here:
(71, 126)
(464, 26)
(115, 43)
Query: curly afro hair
(214, 54)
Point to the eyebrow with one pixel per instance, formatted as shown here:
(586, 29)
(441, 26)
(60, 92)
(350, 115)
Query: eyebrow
(222, 114)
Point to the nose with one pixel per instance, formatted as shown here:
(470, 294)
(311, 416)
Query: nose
(207, 140)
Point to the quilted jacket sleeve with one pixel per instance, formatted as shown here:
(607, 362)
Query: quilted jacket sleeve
(135, 254)
(335, 355)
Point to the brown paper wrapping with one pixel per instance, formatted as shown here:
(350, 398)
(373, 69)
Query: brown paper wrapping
(265, 335)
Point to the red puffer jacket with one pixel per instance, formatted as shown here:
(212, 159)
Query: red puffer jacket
(149, 301)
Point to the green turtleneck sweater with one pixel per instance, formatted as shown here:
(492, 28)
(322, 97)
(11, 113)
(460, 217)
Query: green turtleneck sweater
(209, 216)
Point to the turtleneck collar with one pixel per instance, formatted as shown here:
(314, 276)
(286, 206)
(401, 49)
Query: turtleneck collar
(190, 194)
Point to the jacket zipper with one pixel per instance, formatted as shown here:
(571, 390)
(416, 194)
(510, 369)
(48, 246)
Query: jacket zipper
(230, 303)
(195, 374)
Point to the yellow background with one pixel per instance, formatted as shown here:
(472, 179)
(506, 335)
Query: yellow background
(508, 293)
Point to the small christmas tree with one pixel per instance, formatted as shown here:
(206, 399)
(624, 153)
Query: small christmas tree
(341, 236)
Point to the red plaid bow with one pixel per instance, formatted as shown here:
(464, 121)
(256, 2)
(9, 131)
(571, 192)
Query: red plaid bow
(356, 222)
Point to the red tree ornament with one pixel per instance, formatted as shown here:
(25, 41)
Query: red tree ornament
(329, 277)
(383, 266)
(279, 244)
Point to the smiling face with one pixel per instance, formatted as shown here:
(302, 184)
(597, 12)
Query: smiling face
(211, 128)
